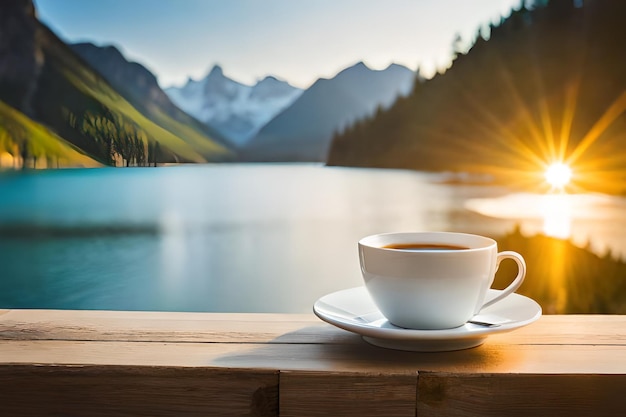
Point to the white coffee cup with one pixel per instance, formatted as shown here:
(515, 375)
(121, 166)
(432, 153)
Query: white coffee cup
(433, 280)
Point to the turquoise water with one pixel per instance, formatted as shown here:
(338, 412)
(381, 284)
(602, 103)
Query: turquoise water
(229, 238)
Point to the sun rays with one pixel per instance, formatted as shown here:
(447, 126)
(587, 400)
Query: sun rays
(550, 133)
(542, 152)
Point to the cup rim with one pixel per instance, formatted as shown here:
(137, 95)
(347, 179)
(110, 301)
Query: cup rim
(367, 241)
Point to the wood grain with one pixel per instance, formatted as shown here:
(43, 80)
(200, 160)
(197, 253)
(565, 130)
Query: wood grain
(117, 363)
(313, 394)
(484, 395)
(494, 358)
(37, 390)
(262, 328)
(152, 326)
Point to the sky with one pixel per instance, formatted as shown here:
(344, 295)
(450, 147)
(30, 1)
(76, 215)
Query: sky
(294, 40)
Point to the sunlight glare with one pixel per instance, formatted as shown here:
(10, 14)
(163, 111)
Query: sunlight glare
(558, 175)
(556, 210)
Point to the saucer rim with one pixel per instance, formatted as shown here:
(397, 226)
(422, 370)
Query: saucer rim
(466, 331)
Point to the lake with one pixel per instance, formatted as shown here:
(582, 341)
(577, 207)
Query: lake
(244, 237)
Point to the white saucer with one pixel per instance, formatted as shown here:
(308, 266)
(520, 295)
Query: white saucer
(354, 310)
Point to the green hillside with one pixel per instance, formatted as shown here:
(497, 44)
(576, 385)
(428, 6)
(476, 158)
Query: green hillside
(23, 139)
(85, 93)
(61, 91)
(140, 88)
(544, 85)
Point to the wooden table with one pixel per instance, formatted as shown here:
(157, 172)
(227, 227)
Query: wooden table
(110, 363)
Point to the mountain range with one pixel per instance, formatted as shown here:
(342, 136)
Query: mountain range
(46, 87)
(245, 116)
(236, 110)
(90, 100)
(303, 131)
(274, 121)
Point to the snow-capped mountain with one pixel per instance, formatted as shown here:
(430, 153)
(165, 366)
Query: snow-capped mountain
(303, 131)
(236, 110)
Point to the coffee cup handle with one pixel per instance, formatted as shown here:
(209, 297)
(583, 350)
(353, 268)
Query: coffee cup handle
(513, 286)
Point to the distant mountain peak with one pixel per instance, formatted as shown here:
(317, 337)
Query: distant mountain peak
(237, 110)
(216, 71)
(269, 78)
(394, 65)
(109, 59)
(359, 67)
(109, 49)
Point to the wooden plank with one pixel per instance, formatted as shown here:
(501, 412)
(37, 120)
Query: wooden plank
(158, 326)
(484, 395)
(157, 363)
(311, 394)
(569, 329)
(363, 358)
(266, 328)
(32, 390)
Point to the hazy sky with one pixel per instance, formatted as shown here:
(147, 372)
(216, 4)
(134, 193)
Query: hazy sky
(294, 40)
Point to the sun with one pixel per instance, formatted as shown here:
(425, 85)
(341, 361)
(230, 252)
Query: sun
(558, 175)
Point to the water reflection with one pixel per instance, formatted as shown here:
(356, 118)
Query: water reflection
(589, 220)
(173, 245)
(557, 215)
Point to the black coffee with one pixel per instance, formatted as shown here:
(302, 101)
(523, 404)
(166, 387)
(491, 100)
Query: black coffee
(423, 246)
